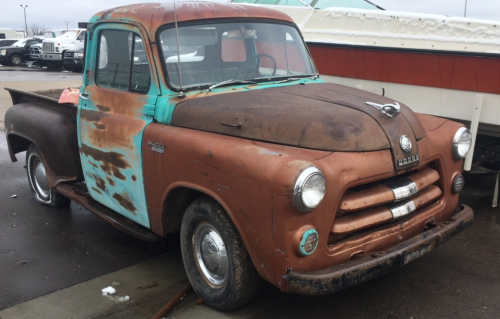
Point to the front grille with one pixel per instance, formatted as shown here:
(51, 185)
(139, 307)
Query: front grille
(69, 54)
(34, 50)
(48, 47)
(382, 202)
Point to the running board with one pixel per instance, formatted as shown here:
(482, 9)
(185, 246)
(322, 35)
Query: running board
(78, 192)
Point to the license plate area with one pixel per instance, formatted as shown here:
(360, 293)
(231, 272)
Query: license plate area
(417, 253)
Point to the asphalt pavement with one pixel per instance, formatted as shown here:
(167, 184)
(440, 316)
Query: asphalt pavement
(54, 262)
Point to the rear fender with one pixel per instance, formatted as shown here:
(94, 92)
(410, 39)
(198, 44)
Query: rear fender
(52, 128)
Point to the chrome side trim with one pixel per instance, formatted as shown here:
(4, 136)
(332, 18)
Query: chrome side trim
(403, 188)
(402, 209)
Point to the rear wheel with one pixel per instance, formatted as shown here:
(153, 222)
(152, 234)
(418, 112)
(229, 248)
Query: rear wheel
(216, 261)
(16, 59)
(37, 177)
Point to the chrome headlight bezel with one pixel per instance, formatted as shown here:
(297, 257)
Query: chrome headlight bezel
(298, 190)
(457, 139)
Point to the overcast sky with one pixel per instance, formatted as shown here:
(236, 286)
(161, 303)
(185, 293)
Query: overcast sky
(53, 13)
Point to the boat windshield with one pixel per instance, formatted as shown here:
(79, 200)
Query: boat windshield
(246, 51)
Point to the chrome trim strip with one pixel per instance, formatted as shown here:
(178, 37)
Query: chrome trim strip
(402, 209)
(403, 188)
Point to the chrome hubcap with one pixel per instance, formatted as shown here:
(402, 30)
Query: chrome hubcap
(210, 255)
(16, 60)
(39, 177)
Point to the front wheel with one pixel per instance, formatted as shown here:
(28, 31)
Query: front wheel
(37, 178)
(216, 260)
(16, 60)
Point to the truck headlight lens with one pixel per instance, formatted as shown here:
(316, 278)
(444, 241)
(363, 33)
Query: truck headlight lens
(57, 49)
(78, 55)
(309, 189)
(462, 143)
(308, 242)
(3, 52)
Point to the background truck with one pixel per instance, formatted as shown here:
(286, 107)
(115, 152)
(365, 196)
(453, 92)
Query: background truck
(53, 49)
(18, 52)
(220, 129)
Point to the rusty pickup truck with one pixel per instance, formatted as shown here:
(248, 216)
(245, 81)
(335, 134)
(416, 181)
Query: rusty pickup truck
(210, 120)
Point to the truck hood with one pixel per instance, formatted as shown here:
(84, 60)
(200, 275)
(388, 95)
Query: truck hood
(320, 116)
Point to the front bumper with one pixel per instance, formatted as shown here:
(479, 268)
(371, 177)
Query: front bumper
(51, 56)
(360, 270)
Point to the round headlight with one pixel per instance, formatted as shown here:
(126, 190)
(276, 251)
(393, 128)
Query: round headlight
(462, 143)
(309, 189)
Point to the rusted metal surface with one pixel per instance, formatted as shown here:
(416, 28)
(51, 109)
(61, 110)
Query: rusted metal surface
(111, 124)
(346, 170)
(375, 216)
(357, 271)
(382, 194)
(405, 124)
(51, 127)
(238, 173)
(274, 115)
(154, 15)
(318, 116)
(79, 193)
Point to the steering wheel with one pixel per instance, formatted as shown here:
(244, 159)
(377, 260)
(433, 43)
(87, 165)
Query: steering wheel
(256, 58)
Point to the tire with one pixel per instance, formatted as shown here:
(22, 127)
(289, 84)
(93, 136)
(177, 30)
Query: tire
(16, 59)
(234, 281)
(37, 179)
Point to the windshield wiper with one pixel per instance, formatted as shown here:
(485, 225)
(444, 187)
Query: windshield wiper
(296, 79)
(232, 81)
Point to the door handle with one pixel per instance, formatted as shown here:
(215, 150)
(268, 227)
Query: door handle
(84, 95)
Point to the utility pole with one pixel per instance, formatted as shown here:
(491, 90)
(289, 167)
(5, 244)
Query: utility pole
(25, 24)
(66, 25)
(465, 11)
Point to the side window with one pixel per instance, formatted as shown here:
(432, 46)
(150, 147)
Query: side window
(81, 36)
(123, 63)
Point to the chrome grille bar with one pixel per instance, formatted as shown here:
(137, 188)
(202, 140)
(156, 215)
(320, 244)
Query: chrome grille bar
(402, 209)
(403, 188)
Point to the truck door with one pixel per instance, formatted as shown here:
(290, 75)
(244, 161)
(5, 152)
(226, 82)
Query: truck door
(119, 88)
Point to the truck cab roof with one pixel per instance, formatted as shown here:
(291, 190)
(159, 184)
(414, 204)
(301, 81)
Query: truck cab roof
(154, 15)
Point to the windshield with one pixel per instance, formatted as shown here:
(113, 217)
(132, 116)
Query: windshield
(20, 43)
(250, 51)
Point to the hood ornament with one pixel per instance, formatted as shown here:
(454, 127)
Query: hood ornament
(391, 110)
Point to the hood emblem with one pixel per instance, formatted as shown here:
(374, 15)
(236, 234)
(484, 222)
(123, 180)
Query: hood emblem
(391, 110)
(405, 143)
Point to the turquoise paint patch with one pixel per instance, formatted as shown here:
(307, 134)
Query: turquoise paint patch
(119, 188)
(166, 104)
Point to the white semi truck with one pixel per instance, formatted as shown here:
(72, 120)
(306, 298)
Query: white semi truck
(53, 49)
